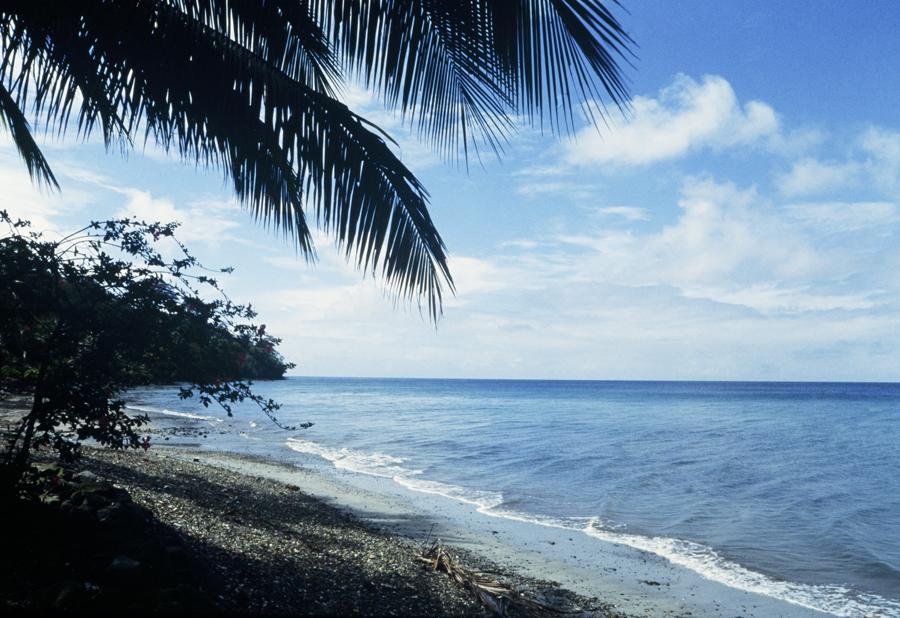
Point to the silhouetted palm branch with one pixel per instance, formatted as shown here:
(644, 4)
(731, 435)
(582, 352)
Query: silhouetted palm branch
(17, 124)
(464, 66)
(248, 87)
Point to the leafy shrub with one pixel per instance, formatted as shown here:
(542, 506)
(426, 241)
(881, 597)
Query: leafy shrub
(86, 317)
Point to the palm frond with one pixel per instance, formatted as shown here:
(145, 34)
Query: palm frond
(284, 144)
(249, 87)
(53, 78)
(17, 124)
(462, 68)
(282, 33)
(429, 59)
(557, 53)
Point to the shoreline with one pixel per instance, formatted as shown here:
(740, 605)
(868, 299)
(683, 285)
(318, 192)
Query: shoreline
(622, 581)
(630, 581)
(280, 549)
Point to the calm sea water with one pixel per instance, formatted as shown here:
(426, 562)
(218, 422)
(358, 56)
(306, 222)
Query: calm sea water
(790, 489)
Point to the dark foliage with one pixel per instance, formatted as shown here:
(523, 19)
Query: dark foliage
(249, 87)
(102, 310)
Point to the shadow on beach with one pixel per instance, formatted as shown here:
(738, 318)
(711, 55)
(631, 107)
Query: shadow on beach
(219, 541)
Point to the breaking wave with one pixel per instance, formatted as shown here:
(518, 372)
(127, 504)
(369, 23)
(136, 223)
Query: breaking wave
(835, 600)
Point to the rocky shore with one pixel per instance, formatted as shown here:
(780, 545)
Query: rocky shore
(152, 532)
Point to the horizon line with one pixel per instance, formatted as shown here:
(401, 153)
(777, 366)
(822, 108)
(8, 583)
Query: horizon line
(668, 380)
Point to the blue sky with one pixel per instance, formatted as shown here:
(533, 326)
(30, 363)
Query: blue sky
(740, 223)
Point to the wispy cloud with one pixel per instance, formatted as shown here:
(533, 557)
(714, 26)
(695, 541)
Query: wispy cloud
(665, 272)
(845, 217)
(728, 245)
(538, 188)
(871, 162)
(204, 220)
(629, 213)
(42, 206)
(811, 176)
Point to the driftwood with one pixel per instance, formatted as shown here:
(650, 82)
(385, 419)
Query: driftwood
(498, 597)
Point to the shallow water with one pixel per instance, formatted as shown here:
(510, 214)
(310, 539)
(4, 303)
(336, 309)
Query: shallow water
(787, 489)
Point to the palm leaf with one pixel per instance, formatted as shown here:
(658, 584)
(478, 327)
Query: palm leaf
(283, 142)
(557, 52)
(464, 67)
(248, 87)
(429, 59)
(16, 123)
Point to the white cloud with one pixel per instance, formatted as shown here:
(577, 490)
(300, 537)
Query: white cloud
(722, 234)
(536, 188)
(40, 205)
(871, 163)
(770, 298)
(717, 280)
(629, 213)
(687, 116)
(205, 220)
(524, 243)
(291, 263)
(729, 246)
(208, 221)
(882, 148)
(810, 176)
(845, 217)
(475, 277)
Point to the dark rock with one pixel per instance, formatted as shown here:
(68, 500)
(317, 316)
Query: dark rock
(174, 551)
(72, 595)
(100, 495)
(170, 599)
(116, 494)
(111, 515)
(51, 499)
(92, 499)
(84, 509)
(124, 565)
(86, 476)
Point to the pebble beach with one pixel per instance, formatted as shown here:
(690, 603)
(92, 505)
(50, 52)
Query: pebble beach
(264, 546)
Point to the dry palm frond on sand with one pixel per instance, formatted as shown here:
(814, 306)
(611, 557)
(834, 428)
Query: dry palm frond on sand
(499, 597)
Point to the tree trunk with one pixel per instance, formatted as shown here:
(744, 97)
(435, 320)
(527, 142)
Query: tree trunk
(17, 457)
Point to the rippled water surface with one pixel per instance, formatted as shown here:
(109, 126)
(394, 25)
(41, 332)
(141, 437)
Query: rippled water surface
(790, 489)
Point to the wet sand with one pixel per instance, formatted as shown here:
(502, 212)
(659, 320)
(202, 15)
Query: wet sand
(621, 579)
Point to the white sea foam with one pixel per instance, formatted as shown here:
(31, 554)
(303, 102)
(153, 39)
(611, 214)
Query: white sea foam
(836, 600)
(567, 523)
(374, 464)
(484, 500)
(199, 417)
(389, 466)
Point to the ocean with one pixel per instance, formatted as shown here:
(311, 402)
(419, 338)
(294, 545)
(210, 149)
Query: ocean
(791, 490)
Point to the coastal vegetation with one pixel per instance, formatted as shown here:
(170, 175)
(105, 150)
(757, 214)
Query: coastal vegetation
(252, 90)
(102, 310)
